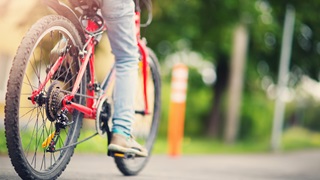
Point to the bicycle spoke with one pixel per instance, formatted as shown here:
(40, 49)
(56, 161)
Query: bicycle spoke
(29, 83)
(29, 120)
(34, 69)
(67, 73)
(34, 158)
(72, 78)
(27, 112)
(28, 146)
(32, 87)
(40, 60)
(43, 162)
(27, 107)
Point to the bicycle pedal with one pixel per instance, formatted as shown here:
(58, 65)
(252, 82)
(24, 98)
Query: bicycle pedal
(124, 155)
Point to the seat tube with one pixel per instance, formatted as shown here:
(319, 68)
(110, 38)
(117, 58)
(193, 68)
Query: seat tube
(144, 54)
(137, 5)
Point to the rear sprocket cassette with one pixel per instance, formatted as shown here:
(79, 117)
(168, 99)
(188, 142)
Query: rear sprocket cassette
(54, 101)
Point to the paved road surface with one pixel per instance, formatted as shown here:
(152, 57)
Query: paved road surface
(303, 165)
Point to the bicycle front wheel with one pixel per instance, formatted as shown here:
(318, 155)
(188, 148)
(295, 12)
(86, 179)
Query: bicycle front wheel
(30, 124)
(145, 126)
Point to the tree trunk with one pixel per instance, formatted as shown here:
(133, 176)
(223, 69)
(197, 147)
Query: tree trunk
(215, 120)
(237, 68)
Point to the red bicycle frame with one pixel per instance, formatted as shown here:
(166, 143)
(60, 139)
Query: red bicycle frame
(90, 110)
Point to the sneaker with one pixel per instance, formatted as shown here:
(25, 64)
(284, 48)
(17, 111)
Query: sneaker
(123, 144)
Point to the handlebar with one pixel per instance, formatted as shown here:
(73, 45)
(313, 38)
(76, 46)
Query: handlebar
(148, 5)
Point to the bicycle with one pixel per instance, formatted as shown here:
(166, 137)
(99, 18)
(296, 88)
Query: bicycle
(52, 87)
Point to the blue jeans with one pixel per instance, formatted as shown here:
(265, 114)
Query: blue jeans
(119, 16)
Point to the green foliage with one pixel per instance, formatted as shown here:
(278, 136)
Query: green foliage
(97, 144)
(257, 109)
(297, 137)
(203, 145)
(3, 146)
(306, 40)
(208, 27)
(206, 24)
(304, 113)
(165, 102)
(257, 115)
(198, 104)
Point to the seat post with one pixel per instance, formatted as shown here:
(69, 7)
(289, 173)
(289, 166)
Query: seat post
(137, 5)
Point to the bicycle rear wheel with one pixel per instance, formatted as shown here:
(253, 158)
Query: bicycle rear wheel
(145, 127)
(29, 126)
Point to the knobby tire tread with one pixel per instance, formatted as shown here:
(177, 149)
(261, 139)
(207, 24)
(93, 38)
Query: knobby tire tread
(16, 75)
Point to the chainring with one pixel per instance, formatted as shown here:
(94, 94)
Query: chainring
(53, 101)
(103, 116)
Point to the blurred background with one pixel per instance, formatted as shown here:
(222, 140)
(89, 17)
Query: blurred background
(233, 50)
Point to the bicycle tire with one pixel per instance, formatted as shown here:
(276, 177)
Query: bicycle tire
(23, 148)
(130, 167)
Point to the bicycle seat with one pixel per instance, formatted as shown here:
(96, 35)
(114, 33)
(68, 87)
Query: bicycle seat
(88, 7)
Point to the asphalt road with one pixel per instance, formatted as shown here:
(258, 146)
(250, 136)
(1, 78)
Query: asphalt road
(303, 165)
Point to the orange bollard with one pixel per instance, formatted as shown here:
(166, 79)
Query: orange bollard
(177, 109)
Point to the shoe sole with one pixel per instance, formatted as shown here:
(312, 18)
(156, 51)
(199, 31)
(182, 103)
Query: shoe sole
(116, 148)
